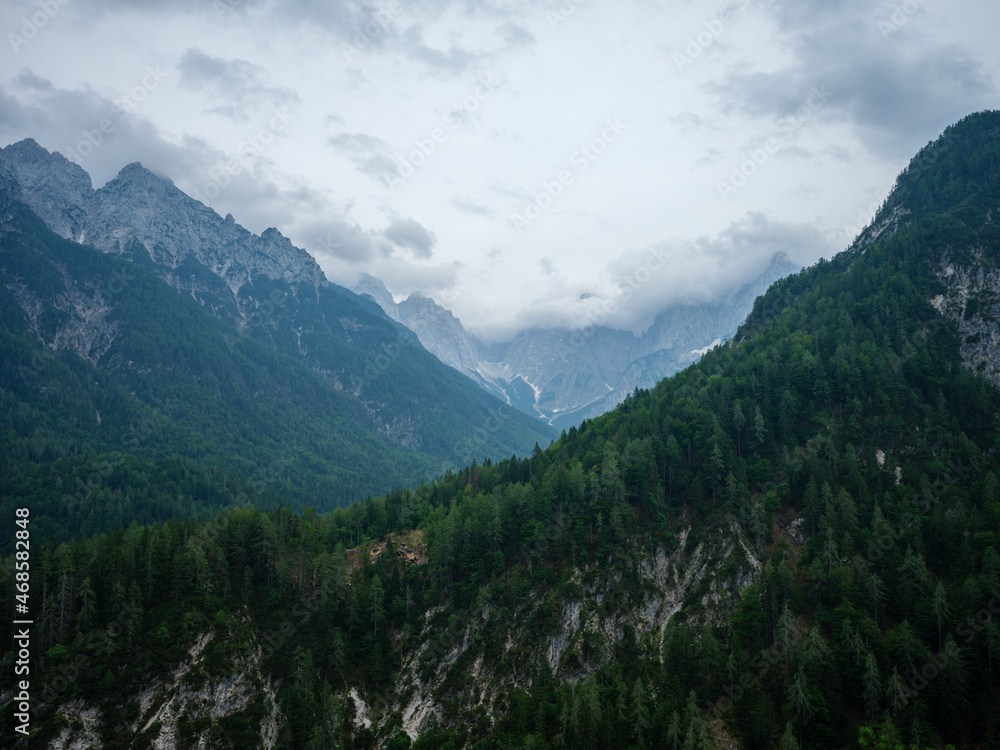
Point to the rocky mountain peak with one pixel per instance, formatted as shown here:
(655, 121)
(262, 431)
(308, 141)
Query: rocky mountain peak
(134, 172)
(55, 188)
(28, 156)
(139, 207)
(374, 288)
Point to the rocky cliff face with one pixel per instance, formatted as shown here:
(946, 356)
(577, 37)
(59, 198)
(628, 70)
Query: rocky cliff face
(470, 666)
(195, 706)
(146, 219)
(564, 376)
(374, 288)
(466, 664)
(972, 302)
(441, 333)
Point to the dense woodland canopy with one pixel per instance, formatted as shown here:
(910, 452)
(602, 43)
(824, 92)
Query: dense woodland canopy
(843, 400)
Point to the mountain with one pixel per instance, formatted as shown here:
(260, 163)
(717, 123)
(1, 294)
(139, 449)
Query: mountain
(565, 376)
(791, 543)
(227, 353)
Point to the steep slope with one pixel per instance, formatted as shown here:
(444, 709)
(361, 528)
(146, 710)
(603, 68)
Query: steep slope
(112, 382)
(792, 543)
(267, 289)
(564, 376)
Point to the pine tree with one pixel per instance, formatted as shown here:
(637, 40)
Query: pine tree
(872, 685)
(640, 711)
(878, 594)
(739, 422)
(88, 606)
(799, 700)
(787, 741)
(376, 596)
(896, 691)
(940, 607)
(674, 740)
(65, 599)
(352, 608)
(816, 579)
(759, 428)
(810, 501)
(326, 734)
(788, 634)
(992, 645)
(717, 461)
(674, 460)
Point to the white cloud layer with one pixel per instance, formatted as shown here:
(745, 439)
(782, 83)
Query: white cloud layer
(516, 160)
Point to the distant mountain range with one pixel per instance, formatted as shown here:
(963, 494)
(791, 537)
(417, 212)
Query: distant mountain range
(273, 364)
(277, 293)
(565, 376)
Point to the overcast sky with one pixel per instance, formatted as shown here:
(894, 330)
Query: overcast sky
(524, 163)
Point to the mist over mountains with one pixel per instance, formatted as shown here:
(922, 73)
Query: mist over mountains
(560, 376)
(565, 376)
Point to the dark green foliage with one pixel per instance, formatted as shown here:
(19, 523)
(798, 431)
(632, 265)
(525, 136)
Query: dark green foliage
(178, 414)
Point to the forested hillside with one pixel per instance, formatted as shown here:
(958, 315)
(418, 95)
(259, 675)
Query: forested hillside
(123, 401)
(792, 543)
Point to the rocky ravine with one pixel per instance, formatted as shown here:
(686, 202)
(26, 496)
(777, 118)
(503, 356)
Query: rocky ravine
(460, 663)
(188, 706)
(468, 666)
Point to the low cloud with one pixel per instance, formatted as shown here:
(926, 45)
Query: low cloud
(411, 235)
(514, 35)
(641, 283)
(235, 88)
(93, 130)
(341, 242)
(369, 154)
(471, 207)
(454, 61)
(884, 76)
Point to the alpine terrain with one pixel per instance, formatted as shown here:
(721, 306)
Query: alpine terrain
(176, 364)
(792, 543)
(565, 376)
